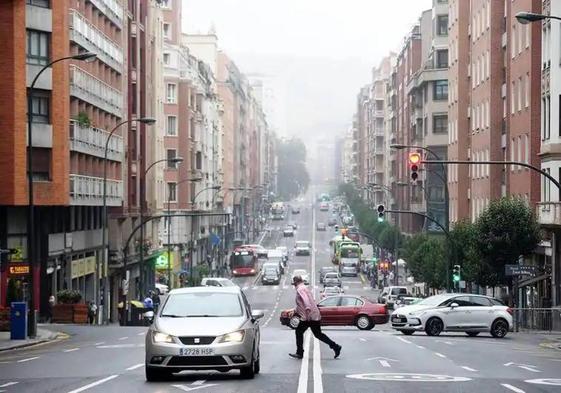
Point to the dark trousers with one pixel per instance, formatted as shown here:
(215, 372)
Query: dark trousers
(315, 326)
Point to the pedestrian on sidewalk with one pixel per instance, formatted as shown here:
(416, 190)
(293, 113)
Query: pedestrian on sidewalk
(92, 312)
(52, 302)
(310, 317)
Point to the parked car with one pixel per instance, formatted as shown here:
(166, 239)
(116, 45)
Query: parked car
(217, 282)
(276, 257)
(295, 210)
(324, 270)
(302, 273)
(203, 328)
(331, 291)
(390, 294)
(273, 265)
(288, 231)
(270, 276)
(472, 314)
(303, 247)
(293, 225)
(161, 289)
(332, 221)
(332, 279)
(344, 310)
(320, 226)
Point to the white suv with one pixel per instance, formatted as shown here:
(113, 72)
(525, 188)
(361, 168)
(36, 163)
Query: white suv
(454, 312)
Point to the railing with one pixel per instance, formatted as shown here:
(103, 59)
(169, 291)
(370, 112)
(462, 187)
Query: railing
(110, 8)
(88, 36)
(537, 319)
(87, 87)
(87, 190)
(91, 140)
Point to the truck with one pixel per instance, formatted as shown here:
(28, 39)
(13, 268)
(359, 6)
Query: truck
(278, 211)
(349, 258)
(343, 247)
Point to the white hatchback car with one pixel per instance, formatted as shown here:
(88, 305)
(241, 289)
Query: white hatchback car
(472, 314)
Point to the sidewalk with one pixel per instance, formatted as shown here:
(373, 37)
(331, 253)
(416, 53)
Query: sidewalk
(43, 336)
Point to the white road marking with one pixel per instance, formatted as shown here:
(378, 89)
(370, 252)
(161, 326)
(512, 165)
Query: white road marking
(28, 359)
(513, 388)
(404, 340)
(445, 342)
(123, 338)
(384, 363)
(141, 334)
(71, 350)
(195, 387)
(254, 287)
(245, 288)
(275, 287)
(93, 384)
(135, 366)
(440, 355)
(303, 379)
(469, 369)
(366, 288)
(345, 287)
(8, 384)
(420, 347)
(527, 367)
(362, 339)
(99, 343)
(199, 382)
(318, 383)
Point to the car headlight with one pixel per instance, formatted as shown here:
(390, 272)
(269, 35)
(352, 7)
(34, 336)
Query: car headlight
(234, 337)
(416, 313)
(159, 337)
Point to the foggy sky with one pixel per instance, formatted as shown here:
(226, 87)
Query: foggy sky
(321, 50)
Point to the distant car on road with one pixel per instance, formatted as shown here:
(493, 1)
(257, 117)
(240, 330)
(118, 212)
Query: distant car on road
(303, 247)
(454, 312)
(332, 279)
(295, 210)
(288, 231)
(284, 251)
(331, 291)
(302, 273)
(293, 225)
(217, 282)
(344, 310)
(324, 270)
(324, 206)
(389, 295)
(320, 226)
(332, 221)
(270, 276)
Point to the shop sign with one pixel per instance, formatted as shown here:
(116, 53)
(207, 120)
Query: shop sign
(83, 267)
(18, 269)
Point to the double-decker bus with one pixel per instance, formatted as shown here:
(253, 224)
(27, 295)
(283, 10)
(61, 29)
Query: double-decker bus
(244, 262)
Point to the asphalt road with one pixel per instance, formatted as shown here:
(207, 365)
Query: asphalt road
(111, 359)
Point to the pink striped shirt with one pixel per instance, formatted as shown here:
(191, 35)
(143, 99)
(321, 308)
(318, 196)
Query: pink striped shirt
(306, 306)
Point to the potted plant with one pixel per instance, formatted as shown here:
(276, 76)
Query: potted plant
(69, 309)
(83, 120)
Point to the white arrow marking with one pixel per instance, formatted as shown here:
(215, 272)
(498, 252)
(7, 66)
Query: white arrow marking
(199, 382)
(527, 367)
(513, 388)
(384, 363)
(469, 369)
(28, 359)
(8, 384)
(188, 389)
(445, 342)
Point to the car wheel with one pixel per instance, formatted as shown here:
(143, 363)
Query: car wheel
(363, 322)
(472, 334)
(257, 367)
(294, 322)
(154, 374)
(499, 329)
(248, 372)
(434, 327)
(407, 332)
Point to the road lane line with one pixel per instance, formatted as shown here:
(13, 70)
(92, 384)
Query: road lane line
(93, 384)
(123, 338)
(8, 384)
(318, 383)
(440, 355)
(28, 359)
(245, 288)
(362, 339)
(135, 366)
(99, 343)
(141, 334)
(303, 378)
(513, 388)
(404, 340)
(385, 363)
(420, 347)
(71, 350)
(199, 382)
(469, 369)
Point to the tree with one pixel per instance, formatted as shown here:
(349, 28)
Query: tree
(427, 264)
(506, 230)
(390, 238)
(293, 177)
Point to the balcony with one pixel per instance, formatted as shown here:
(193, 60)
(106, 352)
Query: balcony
(90, 38)
(111, 9)
(87, 190)
(88, 88)
(549, 213)
(91, 140)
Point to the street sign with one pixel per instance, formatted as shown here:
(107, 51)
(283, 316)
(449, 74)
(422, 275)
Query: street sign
(519, 270)
(18, 269)
(462, 284)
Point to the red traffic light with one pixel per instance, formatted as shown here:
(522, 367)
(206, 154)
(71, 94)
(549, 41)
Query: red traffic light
(414, 159)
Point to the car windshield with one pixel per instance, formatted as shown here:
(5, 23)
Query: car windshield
(203, 304)
(434, 300)
(242, 259)
(302, 244)
(227, 283)
(348, 263)
(331, 275)
(270, 272)
(349, 253)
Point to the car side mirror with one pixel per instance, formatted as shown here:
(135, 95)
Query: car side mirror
(454, 305)
(257, 315)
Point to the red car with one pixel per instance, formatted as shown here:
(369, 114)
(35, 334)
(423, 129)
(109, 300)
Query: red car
(344, 310)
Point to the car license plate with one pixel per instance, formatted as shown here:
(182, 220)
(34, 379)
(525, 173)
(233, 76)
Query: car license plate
(396, 319)
(196, 351)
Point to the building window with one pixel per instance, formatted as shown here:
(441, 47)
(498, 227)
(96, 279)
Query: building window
(440, 90)
(171, 155)
(37, 47)
(41, 164)
(167, 31)
(171, 94)
(171, 127)
(442, 58)
(199, 161)
(172, 192)
(440, 124)
(39, 3)
(166, 58)
(166, 4)
(41, 107)
(442, 25)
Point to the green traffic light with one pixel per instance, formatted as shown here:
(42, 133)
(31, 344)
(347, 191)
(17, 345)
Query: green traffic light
(380, 219)
(456, 278)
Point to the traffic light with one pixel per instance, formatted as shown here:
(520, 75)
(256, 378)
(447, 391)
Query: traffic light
(456, 273)
(414, 161)
(381, 212)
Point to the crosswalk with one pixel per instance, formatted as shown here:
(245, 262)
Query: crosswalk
(278, 287)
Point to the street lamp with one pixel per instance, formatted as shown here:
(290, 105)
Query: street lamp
(142, 120)
(176, 160)
(529, 17)
(85, 56)
(197, 179)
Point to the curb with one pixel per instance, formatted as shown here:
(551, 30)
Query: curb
(53, 337)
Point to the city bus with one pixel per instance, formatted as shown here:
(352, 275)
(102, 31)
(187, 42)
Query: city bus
(244, 262)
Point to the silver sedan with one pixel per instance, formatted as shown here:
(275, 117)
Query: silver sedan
(203, 328)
